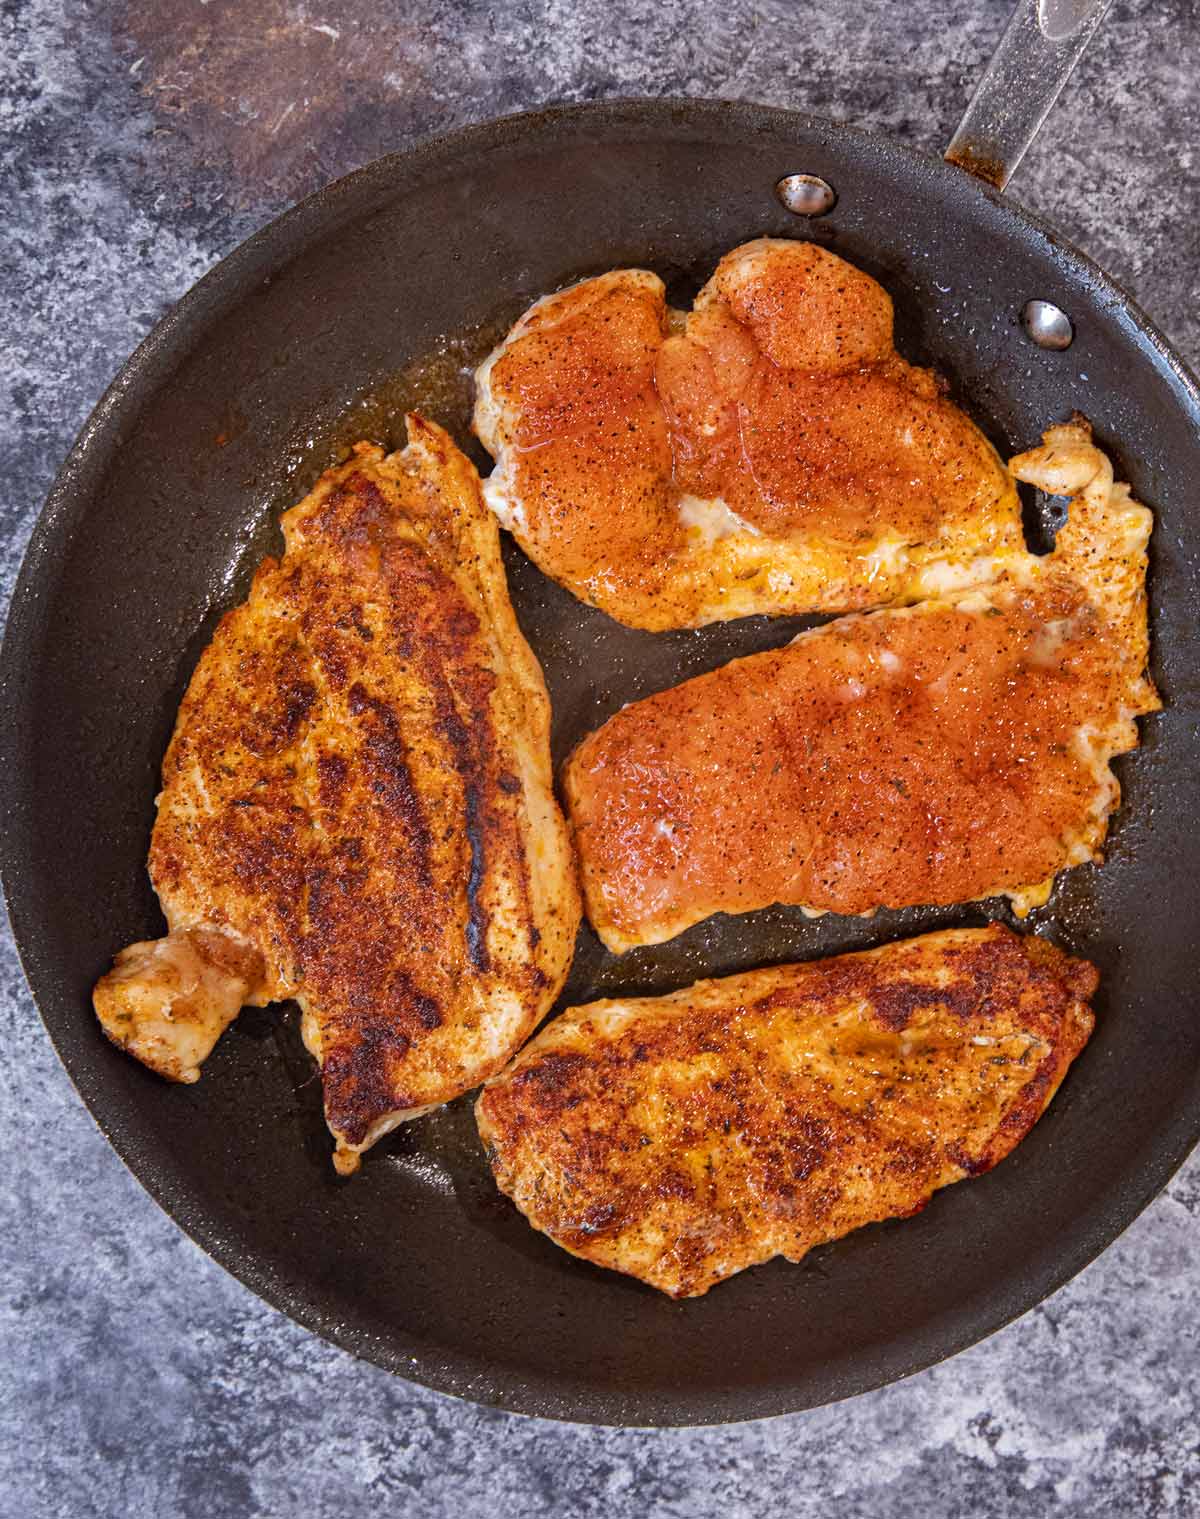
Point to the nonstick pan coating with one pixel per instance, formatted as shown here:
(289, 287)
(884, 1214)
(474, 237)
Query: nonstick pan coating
(376, 292)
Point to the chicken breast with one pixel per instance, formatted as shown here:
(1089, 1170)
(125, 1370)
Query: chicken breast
(767, 452)
(681, 1139)
(941, 753)
(357, 808)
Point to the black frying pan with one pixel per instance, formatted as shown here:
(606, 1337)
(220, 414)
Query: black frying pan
(374, 294)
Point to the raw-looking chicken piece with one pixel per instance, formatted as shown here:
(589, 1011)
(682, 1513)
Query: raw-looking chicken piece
(356, 808)
(683, 1138)
(769, 451)
(945, 752)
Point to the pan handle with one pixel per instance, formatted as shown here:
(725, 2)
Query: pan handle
(1042, 44)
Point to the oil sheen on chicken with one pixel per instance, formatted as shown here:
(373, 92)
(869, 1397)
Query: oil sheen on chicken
(939, 753)
(683, 1138)
(356, 808)
(769, 451)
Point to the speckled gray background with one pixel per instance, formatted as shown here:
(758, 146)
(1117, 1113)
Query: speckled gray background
(141, 141)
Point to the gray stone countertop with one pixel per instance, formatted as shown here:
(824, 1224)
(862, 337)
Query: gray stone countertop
(143, 139)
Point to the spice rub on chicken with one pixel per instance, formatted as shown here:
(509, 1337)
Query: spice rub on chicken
(683, 1138)
(769, 451)
(940, 753)
(356, 808)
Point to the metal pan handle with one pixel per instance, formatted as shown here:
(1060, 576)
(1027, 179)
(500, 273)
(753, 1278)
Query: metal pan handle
(1042, 44)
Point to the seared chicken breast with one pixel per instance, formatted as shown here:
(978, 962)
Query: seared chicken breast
(356, 808)
(939, 753)
(681, 1139)
(769, 451)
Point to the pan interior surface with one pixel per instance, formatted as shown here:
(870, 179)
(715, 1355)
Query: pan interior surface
(383, 291)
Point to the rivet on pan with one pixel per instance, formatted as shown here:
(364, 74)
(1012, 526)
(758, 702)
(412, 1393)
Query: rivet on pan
(1047, 325)
(806, 195)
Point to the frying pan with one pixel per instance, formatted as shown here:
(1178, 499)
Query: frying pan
(381, 291)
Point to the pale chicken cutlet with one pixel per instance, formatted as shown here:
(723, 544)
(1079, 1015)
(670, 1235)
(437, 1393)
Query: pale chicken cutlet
(945, 752)
(769, 451)
(356, 808)
(683, 1138)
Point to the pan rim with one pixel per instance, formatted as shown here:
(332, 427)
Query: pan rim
(149, 365)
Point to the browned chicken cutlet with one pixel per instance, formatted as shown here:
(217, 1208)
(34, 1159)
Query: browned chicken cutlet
(940, 753)
(681, 1139)
(356, 808)
(769, 451)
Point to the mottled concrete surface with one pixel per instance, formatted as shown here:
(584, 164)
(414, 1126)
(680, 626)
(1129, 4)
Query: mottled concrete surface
(141, 142)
